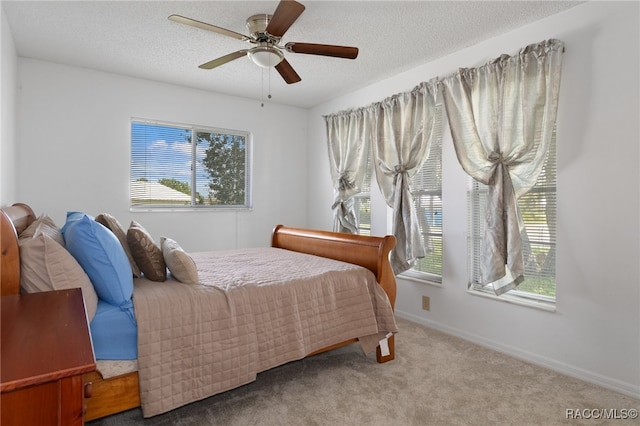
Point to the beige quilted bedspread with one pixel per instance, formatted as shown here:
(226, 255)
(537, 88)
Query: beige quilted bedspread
(254, 309)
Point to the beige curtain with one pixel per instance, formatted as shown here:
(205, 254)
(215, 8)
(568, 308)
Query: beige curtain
(502, 117)
(348, 141)
(401, 140)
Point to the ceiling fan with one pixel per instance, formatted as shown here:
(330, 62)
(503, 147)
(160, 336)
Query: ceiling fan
(265, 34)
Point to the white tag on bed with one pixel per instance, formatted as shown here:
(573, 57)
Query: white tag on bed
(384, 345)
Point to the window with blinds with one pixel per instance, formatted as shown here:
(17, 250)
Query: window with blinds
(538, 210)
(181, 166)
(426, 188)
(362, 202)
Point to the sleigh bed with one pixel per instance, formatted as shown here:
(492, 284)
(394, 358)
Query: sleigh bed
(196, 340)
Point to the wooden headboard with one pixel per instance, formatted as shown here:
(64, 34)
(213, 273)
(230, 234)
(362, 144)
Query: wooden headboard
(13, 220)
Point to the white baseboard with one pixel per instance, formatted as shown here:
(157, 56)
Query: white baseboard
(560, 367)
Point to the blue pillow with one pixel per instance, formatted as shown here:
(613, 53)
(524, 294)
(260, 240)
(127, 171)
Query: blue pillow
(114, 332)
(101, 256)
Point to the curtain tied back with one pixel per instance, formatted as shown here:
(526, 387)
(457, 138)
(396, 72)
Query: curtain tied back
(348, 143)
(502, 116)
(404, 131)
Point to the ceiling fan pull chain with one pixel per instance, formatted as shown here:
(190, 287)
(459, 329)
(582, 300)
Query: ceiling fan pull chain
(269, 94)
(262, 87)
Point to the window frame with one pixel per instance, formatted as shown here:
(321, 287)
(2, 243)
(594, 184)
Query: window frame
(516, 295)
(423, 276)
(193, 205)
(363, 198)
(413, 274)
(364, 228)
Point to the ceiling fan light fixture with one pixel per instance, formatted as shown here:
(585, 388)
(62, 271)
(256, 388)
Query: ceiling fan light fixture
(265, 56)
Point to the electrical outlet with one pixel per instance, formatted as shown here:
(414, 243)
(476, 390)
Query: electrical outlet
(426, 303)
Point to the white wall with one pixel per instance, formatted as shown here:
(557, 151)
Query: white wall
(595, 332)
(8, 66)
(74, 152)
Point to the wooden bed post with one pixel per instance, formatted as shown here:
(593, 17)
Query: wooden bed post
(13, 220)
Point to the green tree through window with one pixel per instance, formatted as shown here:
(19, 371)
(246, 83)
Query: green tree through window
(169, 170)
(225, 162)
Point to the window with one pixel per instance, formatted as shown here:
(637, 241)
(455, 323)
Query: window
(426, 188)
(169, 171)
(538, 210)
(362, 202)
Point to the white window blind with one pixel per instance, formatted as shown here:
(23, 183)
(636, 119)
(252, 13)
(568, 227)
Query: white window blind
(426, 188)
(362, 202)
(168, 170)
(538, 210)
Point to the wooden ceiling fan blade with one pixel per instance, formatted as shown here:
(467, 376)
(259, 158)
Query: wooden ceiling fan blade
(204, 26)
(223, 59)
(284, 16)
(287, 72)
(346, 52)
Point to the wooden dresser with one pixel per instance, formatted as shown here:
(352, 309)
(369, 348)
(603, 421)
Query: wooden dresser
(46, 347)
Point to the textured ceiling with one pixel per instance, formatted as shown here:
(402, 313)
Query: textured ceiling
(135, 38)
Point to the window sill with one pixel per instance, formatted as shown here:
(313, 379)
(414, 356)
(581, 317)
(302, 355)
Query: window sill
(516, 300)
(419, 278)
(188, 209)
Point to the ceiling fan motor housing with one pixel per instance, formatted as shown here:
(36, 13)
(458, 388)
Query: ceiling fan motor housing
(257, 26)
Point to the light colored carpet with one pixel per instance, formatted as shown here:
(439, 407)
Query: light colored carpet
(436, 379)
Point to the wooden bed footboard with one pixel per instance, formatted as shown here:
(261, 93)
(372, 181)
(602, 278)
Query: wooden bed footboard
(369, 252)
(120, 393)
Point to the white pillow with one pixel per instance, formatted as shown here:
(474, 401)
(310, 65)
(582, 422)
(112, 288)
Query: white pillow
(180, 264)
(43, 225)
